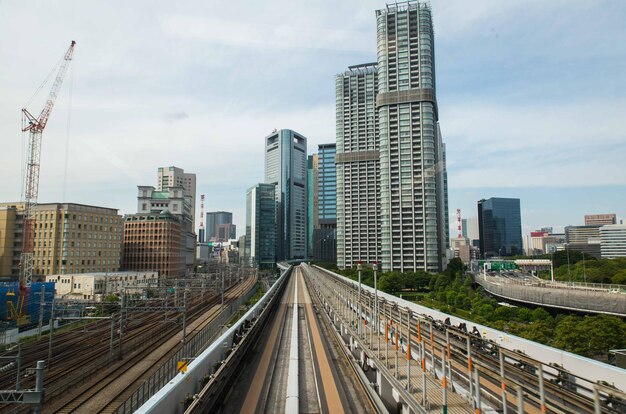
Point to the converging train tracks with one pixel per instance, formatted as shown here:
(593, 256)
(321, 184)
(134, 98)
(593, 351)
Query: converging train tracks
(86, 377)
(296, 364)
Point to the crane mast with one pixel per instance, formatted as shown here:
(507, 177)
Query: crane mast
(35, 126)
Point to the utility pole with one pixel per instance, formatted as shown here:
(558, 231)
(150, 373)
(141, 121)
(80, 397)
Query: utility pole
(222, 306)
(41, 309)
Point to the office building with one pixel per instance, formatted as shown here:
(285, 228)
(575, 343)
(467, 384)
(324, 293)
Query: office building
(413, 177)
(469, 230)
(170, 212)
(177, 177)
(8, 240)
(584, 239)
(357, 166)
(260, 239)
(225, 232)
(311, 200)
(600, 219)
(325, 229)
(286, 168)
(216, 220)
(500, 227)
(613, 241)
(68, 238)
(154, 242)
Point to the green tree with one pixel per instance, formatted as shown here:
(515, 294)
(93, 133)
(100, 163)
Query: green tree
(603, 333)
(569, 335)
(455, 268)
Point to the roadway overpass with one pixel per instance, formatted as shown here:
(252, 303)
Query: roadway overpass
(579, 297)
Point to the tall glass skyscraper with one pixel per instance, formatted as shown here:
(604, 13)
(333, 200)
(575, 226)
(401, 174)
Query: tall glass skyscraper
(324, 233)
(358, 168)
(500, 227)
(311, 198)
(286, 167)
(413, 178)
(261, 225)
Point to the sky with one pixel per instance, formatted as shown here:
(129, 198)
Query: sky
(531, 95)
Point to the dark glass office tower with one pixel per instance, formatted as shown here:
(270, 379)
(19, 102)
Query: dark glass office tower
(500, 227)
(286, 167)
(260, 237)
(324, 232)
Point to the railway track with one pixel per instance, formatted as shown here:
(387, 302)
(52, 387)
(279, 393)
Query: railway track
(544, 387)
(80, 355)
(114, 387)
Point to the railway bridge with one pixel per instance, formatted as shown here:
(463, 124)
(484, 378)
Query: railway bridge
(319, 342)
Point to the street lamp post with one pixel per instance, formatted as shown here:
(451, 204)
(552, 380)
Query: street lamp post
(376, 296)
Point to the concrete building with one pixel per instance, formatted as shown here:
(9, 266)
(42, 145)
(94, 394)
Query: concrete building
(175, 201)
(414, 199)
(357, 166)
(260, 240)
(68, 238)
(600, 219)
(215, 219)
(96, 286)
(462, 249)
(469, 230)
(8, 242)
(286, 168)
(584, 239)
(225, 232)
(500, 227)
(154, 242)
(613, 240)
(325, 229)
(177, 177)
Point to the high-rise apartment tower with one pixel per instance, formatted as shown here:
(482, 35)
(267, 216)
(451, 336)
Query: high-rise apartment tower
(413, 178)
(286, 167)
(358, 168)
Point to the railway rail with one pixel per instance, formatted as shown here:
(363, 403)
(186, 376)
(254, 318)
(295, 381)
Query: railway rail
(111, 390)
(502, 375)
(81, 355)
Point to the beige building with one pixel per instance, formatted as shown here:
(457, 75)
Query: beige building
(177, 177)
(96, 286)
(8, 216)
(68, 238)
(600, 219)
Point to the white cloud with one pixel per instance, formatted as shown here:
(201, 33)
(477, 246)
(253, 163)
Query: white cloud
(262, 35)
(571, 144)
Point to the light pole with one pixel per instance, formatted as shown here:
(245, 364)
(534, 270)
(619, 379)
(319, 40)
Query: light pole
(569, 278)
(375, 296)
(584, 269)
(359, 267)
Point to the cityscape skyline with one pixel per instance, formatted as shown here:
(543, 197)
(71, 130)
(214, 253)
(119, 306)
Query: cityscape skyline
(104, 155)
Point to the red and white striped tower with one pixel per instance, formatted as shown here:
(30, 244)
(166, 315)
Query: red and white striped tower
(458, 220)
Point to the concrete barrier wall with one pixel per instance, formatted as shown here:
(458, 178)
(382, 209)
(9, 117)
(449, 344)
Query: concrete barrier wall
(595, 301)
(171, 397)
(585, 368)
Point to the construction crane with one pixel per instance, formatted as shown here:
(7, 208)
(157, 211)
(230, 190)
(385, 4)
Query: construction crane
(34, 126)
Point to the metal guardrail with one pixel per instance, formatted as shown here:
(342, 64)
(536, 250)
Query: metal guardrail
(214, 361)
(609, 288)
(169, 369)
(549, 294)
